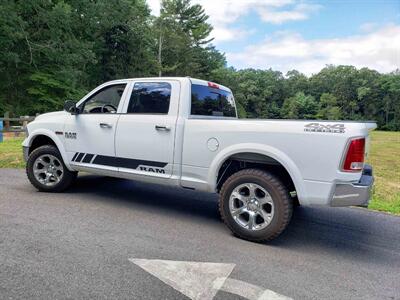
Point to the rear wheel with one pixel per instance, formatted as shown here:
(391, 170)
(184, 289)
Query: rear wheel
(47, 171)
(255, 205)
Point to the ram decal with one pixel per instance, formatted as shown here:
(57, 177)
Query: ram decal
(152, 169)
(70, 135)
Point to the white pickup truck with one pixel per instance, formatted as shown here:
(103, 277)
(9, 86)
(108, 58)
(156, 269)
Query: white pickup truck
(185, 132)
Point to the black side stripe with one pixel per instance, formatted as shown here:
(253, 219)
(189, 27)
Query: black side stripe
(128, 163)
(76, 154)
(112, 161)
(80, 156)
(87, 158)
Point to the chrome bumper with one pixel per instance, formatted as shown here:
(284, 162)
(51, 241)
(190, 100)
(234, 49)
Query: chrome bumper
(348, 194)
(25, 152)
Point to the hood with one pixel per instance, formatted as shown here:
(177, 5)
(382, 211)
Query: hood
(53, 114)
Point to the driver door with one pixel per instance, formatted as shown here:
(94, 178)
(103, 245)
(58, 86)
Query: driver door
(89, 135)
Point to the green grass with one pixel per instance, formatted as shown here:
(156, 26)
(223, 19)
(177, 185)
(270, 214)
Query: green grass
(384, 157)
(11, 153)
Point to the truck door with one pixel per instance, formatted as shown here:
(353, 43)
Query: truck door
(89, 135)
(145, 133)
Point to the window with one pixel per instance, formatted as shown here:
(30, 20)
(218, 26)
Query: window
(209, 101)
(104, 101)
(150, 98)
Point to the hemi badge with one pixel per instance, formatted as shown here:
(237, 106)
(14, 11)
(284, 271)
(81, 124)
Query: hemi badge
(59, 132)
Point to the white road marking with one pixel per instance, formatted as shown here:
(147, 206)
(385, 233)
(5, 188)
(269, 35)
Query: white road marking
(193, 279)
(250, 291)
(202, 280)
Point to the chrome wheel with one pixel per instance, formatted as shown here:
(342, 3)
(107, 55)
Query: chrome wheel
(251, 206)
(48, 170)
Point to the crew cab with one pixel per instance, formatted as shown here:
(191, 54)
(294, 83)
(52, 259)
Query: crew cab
(185, 132)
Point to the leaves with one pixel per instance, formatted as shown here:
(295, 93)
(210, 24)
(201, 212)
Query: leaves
(335, 93)
(57, 50)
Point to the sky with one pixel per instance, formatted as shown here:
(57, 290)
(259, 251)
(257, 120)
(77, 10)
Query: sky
(305, 35)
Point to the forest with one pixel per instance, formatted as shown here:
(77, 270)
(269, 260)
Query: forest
(57, 50)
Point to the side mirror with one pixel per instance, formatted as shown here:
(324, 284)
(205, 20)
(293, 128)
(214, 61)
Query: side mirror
(69, 106)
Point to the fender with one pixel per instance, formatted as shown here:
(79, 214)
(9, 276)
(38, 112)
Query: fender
(262, 149)
(50, 134)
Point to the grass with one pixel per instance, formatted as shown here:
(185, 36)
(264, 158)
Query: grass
(384, 157)
(11, 153)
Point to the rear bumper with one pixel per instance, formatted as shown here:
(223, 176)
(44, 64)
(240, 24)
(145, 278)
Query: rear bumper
(359, 193)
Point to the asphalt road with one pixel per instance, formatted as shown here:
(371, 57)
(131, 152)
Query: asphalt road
(77, 244)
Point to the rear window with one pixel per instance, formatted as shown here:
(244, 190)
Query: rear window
(209, 101)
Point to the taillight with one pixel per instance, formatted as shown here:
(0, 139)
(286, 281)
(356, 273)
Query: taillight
(354, 160)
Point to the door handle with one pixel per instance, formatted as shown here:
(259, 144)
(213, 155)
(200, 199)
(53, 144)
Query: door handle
(105, 125)
(162, 128)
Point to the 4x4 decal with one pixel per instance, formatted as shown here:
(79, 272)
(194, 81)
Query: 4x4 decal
(320, 127)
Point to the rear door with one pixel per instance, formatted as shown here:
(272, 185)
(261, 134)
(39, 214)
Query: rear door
(146, 129)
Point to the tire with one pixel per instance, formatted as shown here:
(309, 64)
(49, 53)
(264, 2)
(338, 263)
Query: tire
(39, 161)
(270, 198)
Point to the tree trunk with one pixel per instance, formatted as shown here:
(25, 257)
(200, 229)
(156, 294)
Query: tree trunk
(159, 55)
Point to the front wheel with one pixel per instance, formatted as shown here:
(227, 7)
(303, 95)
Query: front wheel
(46, 170)
(255, 205)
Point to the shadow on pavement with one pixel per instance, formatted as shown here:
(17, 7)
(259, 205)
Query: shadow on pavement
(150, 196)
(347, 232)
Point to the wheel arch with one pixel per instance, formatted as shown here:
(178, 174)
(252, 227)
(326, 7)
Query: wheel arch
(40, 140)
(46, 137)
(256, 154)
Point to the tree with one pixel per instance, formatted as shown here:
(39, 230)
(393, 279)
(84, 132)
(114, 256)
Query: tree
(46, 55)
(183, 40)
(328, 108)
(340, 81)
(390, 84)
(300, 106)
(295, 82)
(55, 50)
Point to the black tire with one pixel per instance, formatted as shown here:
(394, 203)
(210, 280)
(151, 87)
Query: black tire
(283, 206)
(68, 176)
